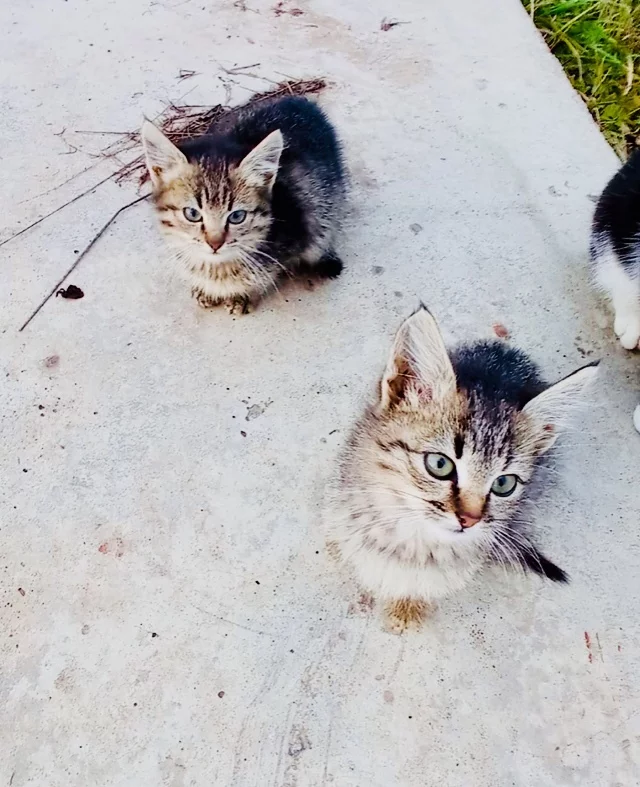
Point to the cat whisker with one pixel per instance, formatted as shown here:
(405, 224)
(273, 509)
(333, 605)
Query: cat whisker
(261, 277)
(271, 259)
(250, 251)
(502, 546)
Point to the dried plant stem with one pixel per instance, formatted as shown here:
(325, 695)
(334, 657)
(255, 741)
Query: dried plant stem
(80, 257)
(57, 210)
(178, 123)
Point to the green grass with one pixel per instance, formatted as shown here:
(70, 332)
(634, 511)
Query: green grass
(598, 44)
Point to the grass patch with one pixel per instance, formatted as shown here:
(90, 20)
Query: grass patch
(598, 44)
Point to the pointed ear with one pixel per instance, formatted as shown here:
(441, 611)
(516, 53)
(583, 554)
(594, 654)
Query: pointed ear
(419, 369)
(160, 153)
(547, 412)
(260, 167)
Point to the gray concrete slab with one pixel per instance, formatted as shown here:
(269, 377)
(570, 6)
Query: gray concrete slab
(168, 614)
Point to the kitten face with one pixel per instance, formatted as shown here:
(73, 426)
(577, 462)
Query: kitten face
(212, 217)
(434, 463)
(448, 466)
(212, 211)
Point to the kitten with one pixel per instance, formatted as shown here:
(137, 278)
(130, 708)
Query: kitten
(615, 252)
(260, 196)
(436, 476)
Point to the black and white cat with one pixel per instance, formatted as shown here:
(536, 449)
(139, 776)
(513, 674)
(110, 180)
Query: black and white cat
(615, 252)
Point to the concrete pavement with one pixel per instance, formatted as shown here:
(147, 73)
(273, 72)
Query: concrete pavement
(168, 614)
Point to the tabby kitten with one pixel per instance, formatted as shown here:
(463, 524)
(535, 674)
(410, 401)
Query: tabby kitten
(615, 252)
(259, 197)
(436, 476)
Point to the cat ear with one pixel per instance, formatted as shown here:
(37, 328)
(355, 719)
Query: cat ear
(419, 369)
(260, 167)
(160, 153)
(547, 413)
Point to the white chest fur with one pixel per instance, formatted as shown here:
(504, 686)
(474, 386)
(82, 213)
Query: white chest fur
(402, 559)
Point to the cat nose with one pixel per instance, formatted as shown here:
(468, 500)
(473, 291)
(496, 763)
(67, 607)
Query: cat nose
(216, 240)
(469, 520)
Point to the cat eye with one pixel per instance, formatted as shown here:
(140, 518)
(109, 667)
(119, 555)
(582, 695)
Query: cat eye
(439, 466)
(192, 214)
(237, 216)
(504, 485)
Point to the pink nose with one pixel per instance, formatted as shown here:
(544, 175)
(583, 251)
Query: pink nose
(216, 241)
(469, 520)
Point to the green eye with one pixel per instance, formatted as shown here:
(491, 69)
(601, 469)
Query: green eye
(439, 466)
(192, 214)
(504, 485)
(237, 216)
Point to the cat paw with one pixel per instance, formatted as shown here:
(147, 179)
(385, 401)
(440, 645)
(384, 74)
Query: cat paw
(363, 606)
(406, 614)
(204, 301)
(636, 418)
(239, 305)
(627, 328)
(333, 550)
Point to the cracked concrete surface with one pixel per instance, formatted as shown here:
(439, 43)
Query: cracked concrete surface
(169, 616)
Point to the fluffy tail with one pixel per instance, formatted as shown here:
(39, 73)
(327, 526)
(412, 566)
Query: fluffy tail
(535, 561)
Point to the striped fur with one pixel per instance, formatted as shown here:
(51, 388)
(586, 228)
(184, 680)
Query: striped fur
(278, 164)
(411, 537)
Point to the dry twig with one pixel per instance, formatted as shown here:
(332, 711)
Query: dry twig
(178, 122)
(79, 258)
(57, 210)
(387, 24)
(186, 73)
(181, 122)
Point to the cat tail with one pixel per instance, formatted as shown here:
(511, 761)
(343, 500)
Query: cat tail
(535, 561)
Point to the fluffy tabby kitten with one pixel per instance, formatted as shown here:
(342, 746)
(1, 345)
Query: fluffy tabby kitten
(615, 252)
(258, 197)
(436, 475)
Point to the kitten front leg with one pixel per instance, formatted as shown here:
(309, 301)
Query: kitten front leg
(203, 300)
(627, 322)
(334, 551)
(240, 304)
(405, 614)
(625, 298)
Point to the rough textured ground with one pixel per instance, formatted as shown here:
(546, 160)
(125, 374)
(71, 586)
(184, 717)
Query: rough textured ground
(168, 614)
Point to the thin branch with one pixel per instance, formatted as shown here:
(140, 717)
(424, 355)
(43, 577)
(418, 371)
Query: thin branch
(80, 257)
(103, 133)
(178, 122)
(239, 70)
(59, 186)
(57, 210)
(233, 623)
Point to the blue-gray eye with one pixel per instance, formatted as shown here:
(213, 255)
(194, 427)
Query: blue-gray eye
(192, 214)
(439, 466)
(237, 216)
(504, 485)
